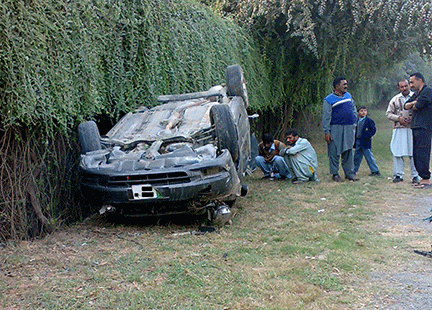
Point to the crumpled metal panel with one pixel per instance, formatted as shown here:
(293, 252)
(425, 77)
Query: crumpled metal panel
(118, 160)
(173, 119)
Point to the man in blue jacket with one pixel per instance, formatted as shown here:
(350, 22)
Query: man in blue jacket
(338, 123)
(363, 145)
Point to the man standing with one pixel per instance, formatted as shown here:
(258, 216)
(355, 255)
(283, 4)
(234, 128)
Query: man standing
(300, 157)
(401, 144)
(268, 159)
(338, 121)
(421, 106)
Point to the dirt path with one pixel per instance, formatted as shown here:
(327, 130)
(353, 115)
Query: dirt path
(407, 283)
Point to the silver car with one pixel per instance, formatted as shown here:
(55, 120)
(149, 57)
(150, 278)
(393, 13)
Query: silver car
(189, 154)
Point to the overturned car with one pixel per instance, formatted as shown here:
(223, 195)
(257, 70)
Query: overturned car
(187, 155)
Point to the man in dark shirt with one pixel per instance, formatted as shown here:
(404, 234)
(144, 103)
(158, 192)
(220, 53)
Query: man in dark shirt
(421, 105)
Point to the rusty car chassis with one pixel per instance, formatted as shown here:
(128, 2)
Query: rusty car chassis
(187, 155)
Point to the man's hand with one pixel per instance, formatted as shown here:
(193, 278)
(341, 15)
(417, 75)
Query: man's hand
(410, 105)
(328, 138)
(403, 121)
(269, 158)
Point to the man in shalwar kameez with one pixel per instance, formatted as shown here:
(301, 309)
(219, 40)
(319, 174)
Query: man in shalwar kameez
(300, 157)
(338, 121)
(401, 144)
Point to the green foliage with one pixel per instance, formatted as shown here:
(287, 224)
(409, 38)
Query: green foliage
(67, 61)
(377, 88)
(64, 62)
(310, 42)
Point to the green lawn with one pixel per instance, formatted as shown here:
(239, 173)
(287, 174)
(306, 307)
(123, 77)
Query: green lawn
(307, 246)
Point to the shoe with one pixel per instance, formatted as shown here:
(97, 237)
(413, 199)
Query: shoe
(337, 178)
(422, 185)
(375, 174)
(353, 179)
(397, 179)
(298, 182)
(266, 177)
(415, 180)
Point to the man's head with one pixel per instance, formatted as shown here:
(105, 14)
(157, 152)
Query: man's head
(416, 81)
(340, 85)
(403, 87)
(268, 140)
(291, 136)
(362, 111)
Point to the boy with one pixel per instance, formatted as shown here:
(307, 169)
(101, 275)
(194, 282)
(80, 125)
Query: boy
(363, 144)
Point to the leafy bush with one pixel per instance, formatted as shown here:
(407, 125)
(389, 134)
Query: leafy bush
(63, 62)
(66, 62)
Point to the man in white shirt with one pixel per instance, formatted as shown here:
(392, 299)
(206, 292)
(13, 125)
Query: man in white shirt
(401, 144)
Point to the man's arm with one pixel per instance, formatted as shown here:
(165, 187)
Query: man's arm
(423, 99)
(326, 116)
(326, 119)
(410, 105)
(261, 149)
(279, 146)
(391, 110)
(301, 145)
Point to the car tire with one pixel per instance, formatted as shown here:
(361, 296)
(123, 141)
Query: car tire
(225, 131)
(236, 84)
(244, 190)
(89, 137)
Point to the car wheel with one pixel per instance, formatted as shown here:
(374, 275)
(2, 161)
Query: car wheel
(225, 131)
(89, 137)
(236, 84)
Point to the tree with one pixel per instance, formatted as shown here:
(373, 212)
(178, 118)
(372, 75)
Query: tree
(309, 42)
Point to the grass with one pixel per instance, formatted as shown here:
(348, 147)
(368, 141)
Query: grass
(306, 246)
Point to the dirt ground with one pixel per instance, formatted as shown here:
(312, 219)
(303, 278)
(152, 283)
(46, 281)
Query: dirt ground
(407, 284)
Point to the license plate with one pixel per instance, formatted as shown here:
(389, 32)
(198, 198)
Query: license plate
(144, 191)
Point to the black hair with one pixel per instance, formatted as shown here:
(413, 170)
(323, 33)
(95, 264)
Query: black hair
(337, 80)
(268, 137)
(292, 132)
(402, 80)
(362, 107)
(418, 76)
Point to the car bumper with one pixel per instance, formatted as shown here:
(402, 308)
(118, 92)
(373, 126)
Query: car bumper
(207, 181)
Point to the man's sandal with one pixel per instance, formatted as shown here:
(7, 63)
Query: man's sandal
(422, 185)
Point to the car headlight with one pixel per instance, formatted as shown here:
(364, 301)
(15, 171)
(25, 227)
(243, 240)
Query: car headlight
(211, 171)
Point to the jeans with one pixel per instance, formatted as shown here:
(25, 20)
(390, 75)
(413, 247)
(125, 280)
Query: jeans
(370, 160)
(276, 165)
